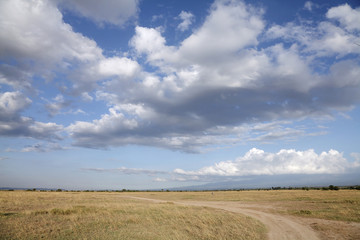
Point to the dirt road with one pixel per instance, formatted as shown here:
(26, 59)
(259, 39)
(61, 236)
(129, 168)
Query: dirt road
(279, 226)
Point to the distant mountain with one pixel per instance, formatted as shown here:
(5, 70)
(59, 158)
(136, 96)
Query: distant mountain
(300, 180)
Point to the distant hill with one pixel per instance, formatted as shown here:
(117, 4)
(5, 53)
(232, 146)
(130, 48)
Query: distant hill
(254, 182)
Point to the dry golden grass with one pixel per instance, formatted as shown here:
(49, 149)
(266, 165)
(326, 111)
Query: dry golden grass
(342, 205)
(72, 215)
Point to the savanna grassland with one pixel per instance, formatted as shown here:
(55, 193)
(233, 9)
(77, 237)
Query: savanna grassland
(342, 205)
(331, 214)
(108, 215)
(118, 215)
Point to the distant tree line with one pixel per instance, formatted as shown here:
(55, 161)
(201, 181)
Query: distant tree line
(306, 188)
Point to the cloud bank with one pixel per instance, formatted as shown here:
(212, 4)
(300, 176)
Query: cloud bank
(286, 161)
(233, 73)
(206, 88)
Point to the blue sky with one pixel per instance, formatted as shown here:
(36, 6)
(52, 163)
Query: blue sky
(161, 94)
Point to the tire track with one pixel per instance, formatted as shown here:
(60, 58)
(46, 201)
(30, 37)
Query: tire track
(279, 227)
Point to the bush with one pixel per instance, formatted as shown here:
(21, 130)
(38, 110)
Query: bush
(57, 211)
(305, 212)
(332, 187)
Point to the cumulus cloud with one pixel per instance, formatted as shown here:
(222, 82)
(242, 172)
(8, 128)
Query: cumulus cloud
(336, 36)
(36, 42)
(15, 77)
(25, 25)
(57, 105)
(13, 124)
(116, 12)
(187, 19)
(160, 180)
(231, 26)
(101, 129)
(348, 17)
(286, 161)
(115, 66)
(11, 103)
(27, 127)
(214, 87)
(240, 78)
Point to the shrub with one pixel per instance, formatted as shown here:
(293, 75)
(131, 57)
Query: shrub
(57, 211)
(332, 187)
(305, 212)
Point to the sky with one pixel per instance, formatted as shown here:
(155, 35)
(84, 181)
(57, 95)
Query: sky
(159, 94)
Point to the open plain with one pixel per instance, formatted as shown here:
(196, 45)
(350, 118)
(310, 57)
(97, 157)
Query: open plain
(276, 214)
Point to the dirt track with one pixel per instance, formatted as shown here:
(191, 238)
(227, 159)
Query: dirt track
(279, 226)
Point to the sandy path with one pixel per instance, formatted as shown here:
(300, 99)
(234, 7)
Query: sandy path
(279, 226)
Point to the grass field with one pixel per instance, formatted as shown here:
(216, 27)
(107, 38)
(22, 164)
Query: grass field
(96, 215)
(343, 205)
(109, 215)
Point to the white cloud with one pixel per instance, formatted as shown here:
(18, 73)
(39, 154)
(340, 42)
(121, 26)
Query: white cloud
(109, 124)
(11, 103)
(348, 17)
(230, 26)
(45, 130)
(57, 105)
(115, 66)
(187, 19)
(356, 156)
(39, 147)
(34, 35)
(27, 127)
(15, 77)
(159, 179)
(149, 41)
(86, 97)
(327, 38)
(13, 124)
(26, 24)
(125, 170)
(116, 12)
(205, 88)
(286, 161)
(230, 63)
(308, 5)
